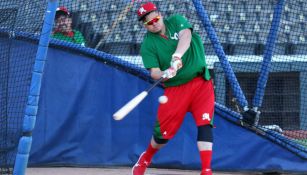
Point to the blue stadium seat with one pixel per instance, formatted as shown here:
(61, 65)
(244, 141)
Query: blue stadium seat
(301, 49)
(84, 16)
(242, 38)
(244, 27)
(229, 38)
(285, 28)
(220, 6)
(244, 49)
(304, 7)
(222, 37)
(116, 37)
(296, 38)
(227, 28)
(242, 5)
(97, 27)
(302, 39)
(262, 37)
(280, 48)
(206, 39)
(83, 6)
(258, 27)
(210, 6)
(242, 17)
(290, 16)
(127, 37)
(283, 38)
(252, 38)
(140, 35)
(302, 17)
(209, 50)
(136, 27)
(181, 8)
(229, 8)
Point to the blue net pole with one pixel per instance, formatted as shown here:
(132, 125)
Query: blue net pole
(268, 52)
(25, 141)
(237, 91)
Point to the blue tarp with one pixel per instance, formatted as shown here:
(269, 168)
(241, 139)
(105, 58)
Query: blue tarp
(74, 125)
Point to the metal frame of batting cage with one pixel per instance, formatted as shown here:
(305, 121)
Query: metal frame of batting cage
(31, 109)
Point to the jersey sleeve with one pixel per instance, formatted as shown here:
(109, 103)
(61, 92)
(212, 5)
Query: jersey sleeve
(149, 57)
(181, 22)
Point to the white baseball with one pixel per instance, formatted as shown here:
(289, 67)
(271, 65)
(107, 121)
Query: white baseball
(163, 99)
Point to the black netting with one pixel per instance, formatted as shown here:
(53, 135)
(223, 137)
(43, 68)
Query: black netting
(245, 30)
(15, 71)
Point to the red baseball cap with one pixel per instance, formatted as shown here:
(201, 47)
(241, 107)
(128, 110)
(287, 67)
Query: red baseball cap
(145, 9)
(61, 11)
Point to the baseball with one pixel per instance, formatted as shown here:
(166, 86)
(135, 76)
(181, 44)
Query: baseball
(163, 99)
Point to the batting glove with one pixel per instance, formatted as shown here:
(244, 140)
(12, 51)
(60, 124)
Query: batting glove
(176, 62)
(169, 73)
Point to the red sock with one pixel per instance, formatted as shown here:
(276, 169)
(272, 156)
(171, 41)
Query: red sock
(205, 157)
(150, 152)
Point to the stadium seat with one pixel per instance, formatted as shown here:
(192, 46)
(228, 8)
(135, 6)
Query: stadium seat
(128, 37)
(209, 50)
(285, 28)
(229, 8)
(136, 28)
(116, 48)
(83, 6)
(223, 37)
(206, 39)
(242, 38)
(252, 39)
(294, 39)
(230, 38)
(242, 17)
(139, 36)
(244, 49)
(220, 7)
(227, 28)
(97, 27)
(302, 17)
(280, 48)
(214, 18)
(302, 39)
(283, 38)
(85, 16)
(301, 49)
(290, 16)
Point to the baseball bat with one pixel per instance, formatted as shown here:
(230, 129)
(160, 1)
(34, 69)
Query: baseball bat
(128, 107)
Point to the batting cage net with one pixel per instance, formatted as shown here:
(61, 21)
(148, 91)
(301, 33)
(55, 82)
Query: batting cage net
(20, 23)
(256, 51)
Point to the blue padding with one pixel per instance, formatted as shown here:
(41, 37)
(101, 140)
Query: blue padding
(75, 127)
(24, 145)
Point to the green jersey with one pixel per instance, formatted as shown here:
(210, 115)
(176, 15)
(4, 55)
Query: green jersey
(77, 37)
(157, 51)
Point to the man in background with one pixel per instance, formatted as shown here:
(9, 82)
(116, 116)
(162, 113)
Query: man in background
(63, 28)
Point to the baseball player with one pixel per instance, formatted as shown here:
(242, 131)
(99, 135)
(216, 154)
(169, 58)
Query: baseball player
(172, 49)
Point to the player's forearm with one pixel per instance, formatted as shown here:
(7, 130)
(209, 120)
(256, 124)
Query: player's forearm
(185, 38)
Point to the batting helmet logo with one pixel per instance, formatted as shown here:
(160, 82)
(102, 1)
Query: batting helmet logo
(142, 10)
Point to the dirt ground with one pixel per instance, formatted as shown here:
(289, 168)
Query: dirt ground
(118, 171)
